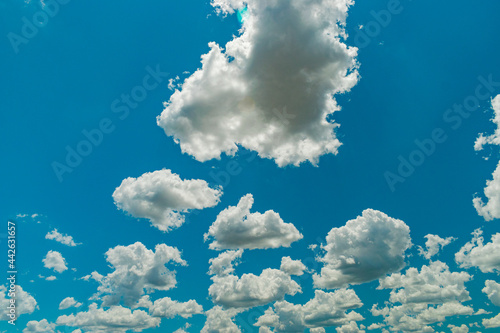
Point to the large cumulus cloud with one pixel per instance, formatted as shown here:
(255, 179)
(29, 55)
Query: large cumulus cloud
(136, 270)
(271, 89)
(363, 250)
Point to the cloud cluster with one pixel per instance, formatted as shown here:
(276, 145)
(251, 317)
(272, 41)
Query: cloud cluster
(220, 320)
(477, 254)
(137, 269)
(421, 298)
(365, 249)
(164, 198)
(54, 260)
(42, 326)
(324, 310)
(61, 238)
(237, 228)
(251, 290)
(271, 90)
(115, 319)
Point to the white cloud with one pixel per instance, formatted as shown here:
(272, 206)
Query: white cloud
(220, 321)
(352, 327)
(434, 284)
(458, 329)
(492, 322)
(236, 227)
(413, 318)
(115, 319)
(315, 330)
(425, 297)
(42, 326)
(61, 238)
(363, 250)
(492, 290)
(169, 308)
(54, 260)
(251, 290)
(324, 310)
(51, 278)
(433, 244)
(292, 267)
(491, 209)
(223, 264)
(25, 303)
(271, 89)
(69, 302)
(375, 327)
(493, 139)
(476, 254)
(164, 198)
(136, 269)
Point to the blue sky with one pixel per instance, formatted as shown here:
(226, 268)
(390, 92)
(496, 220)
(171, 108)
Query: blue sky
(71, 75)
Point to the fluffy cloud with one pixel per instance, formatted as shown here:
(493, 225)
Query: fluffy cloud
(63, 239)
(271, 89)
(412, 318)
(433, 244)
(492, 290)
(292, 267)
(136, 269)
(42, 326)
(324, 310)
(166, 307)
(54, 260)
(491, 209)
(116, 319)
(164, 198)
(476, 254)
(352, 327)
(434, 284)
(224, 263)
(69, 302)
(492, 322)
(458, 329)
(220, 321)
(363, 250)
(236, 227)
(249, 290)
(493, 139)
(425, 297)
(25, 303)
(252, 290)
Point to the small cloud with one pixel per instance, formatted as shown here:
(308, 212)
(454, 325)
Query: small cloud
(61, 238)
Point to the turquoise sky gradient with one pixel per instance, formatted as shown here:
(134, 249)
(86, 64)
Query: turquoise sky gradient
(66, 79)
